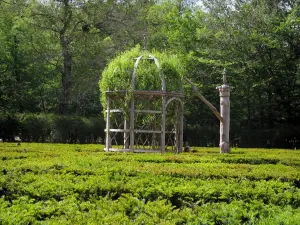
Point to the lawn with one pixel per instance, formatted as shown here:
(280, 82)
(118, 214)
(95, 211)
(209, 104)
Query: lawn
(82, 184)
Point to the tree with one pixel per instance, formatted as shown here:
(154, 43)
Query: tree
(89, 34)
(23, 82)
(249, 37)
(255, 41)
(58, 17)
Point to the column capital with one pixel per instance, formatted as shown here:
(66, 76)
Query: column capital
(224, 89)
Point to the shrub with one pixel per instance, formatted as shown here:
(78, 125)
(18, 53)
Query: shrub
(73, 129)
(82, 129)
(61, 129)
(52, 128)
(118, 74)
(97, 129)
(36, 127)
(9, 126)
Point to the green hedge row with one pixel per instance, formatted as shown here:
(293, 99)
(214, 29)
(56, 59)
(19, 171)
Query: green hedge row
(51, 128)
(76, 129)
(284, 136)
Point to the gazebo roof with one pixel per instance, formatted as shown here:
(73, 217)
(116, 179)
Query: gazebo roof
(139, 70)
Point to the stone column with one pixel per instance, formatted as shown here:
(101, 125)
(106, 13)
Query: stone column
(224, 91)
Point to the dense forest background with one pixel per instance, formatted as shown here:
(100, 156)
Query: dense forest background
(53, 53)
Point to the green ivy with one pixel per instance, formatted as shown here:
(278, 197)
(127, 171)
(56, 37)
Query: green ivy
(118, 73)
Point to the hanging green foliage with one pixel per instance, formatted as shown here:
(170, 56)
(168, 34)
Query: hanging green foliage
(118, 74)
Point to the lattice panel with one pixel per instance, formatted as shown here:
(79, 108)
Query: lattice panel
(147, 141)
(172, 126)
(148, 120)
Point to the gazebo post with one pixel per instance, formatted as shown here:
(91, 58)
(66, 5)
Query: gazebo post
(125, 134)
(132, 104)
(107, 142)
(163, 126)
(177, 135)
(132, 124)
(181, 129)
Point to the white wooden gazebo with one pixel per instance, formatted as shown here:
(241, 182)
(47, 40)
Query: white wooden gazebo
(151, 121)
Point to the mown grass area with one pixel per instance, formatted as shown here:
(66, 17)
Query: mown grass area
(81, 184)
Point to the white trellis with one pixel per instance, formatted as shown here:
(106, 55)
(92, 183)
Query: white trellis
(152, 120)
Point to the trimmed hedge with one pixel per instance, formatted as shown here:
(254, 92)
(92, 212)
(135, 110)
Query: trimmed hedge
(35, 127)
(76, 129)
(9, 126)
(52, 128)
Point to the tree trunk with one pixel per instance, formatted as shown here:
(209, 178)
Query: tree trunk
(66, 76)
(65, 41)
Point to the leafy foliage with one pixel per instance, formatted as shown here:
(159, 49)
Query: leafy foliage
(59, 183)
(51, 128)
(119, 72)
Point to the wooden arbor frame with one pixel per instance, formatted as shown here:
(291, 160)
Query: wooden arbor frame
(152, 122)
